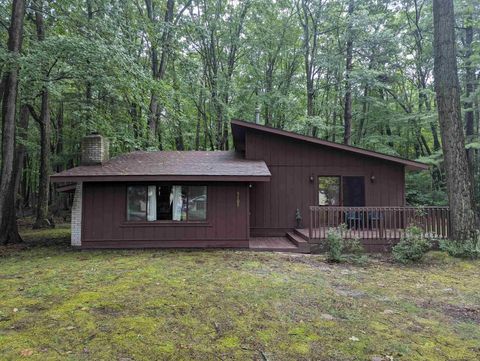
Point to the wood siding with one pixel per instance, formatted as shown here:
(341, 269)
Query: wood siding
(105, 225)
(293, 162)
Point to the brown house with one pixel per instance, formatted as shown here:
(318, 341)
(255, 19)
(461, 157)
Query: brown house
(276, 190)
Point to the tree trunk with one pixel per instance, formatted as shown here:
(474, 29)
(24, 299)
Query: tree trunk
(364, 115)
(469, 89)
(8, 222)
(347, 115)
(41, 220)
(21, 151)
(447, 88)
(59, 136)
(159, 66)
(197, 131)
(88, 85)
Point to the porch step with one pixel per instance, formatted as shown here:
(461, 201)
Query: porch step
(299, 241)
(273, 244)
(302, 233)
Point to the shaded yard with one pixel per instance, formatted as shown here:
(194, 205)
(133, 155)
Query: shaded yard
(58, 303)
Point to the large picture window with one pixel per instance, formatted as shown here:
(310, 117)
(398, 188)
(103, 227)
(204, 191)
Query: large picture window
(166, 203)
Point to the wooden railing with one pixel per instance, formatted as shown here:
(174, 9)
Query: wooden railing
(386, 223)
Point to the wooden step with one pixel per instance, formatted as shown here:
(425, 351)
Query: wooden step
(273, 244)
(303, 235)
(300, 242)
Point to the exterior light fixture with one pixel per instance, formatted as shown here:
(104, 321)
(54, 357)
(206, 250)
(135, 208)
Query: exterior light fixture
(311, 178)
(372, 178)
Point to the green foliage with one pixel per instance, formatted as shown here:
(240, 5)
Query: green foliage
(338, 246)
(422, 190)
(412, 247)
(469, 248)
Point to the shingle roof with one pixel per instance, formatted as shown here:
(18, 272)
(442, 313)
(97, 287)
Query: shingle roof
(171, 165)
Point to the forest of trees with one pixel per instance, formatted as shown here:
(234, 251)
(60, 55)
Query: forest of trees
(171, 74)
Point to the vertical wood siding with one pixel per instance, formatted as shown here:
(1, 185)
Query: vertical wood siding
(105, 224)
(292, 162)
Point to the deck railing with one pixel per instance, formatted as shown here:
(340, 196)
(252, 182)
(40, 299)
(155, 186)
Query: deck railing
(386, 223)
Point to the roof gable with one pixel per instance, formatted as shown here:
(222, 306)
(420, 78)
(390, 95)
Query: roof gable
(239, 128)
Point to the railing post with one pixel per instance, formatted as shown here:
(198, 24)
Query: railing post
(310, 224)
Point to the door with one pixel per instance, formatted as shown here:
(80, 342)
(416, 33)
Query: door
(353, 191)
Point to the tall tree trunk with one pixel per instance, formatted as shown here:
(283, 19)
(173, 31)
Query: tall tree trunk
(88, 85)
(2, 89)
(159, 63)
(469, 89)
(268, 91)
(310, 22)
(364, 115)
(59, 136)
(347, 115)
(447, 88)
(8, 223)
(21, 151)
(197, 131)
(41, 220)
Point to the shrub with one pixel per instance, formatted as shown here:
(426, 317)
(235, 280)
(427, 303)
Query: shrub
(412, 247)
(466, 249)
(338, 247)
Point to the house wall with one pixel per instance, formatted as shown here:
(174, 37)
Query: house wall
(105, 225)
(292, 162)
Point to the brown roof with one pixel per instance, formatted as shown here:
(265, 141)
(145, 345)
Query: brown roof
(239, 126)
(174, 166)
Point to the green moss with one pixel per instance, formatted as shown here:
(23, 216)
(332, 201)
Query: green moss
(229, 342)
(60, 232)
(179, 305)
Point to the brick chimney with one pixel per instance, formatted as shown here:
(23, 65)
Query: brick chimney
(94, 149)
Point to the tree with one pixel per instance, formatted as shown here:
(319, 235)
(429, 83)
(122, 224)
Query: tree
(8, 223)
(447, 88)
(347, 115)
(43, 120)
(309, 13)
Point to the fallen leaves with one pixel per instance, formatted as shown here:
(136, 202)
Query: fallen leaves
(26, 352)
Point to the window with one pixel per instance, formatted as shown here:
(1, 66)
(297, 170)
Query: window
(137, 203)
(329, 191)
(197, 203)
(166, 203)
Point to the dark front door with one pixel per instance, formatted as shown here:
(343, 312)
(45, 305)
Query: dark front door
(353, 191)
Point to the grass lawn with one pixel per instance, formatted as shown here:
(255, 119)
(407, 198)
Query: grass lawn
(61, 304)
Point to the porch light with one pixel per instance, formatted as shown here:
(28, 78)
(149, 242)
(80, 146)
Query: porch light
(372, 178)
(311, 178)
